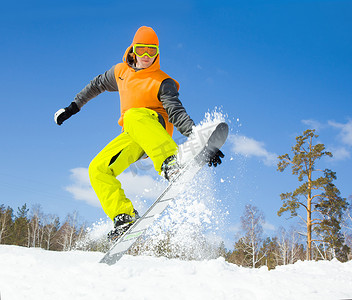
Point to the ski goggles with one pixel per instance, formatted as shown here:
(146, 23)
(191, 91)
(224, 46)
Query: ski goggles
(142, 49)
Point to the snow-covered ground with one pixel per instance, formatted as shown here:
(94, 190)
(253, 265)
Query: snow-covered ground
(28, 273)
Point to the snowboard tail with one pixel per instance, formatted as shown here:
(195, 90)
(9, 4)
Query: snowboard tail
(123, 244)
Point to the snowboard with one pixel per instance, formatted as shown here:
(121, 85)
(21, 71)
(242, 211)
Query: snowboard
(198, 153)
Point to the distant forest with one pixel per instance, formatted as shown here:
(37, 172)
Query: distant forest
(33, 228)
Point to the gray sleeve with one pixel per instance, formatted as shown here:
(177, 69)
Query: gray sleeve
(178, 116)
(101, 83)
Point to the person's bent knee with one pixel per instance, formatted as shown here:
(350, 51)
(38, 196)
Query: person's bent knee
(94, 168)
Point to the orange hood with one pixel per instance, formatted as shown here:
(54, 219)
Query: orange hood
(145, 35)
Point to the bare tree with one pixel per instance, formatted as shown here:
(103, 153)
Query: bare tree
(347, 229)
(251, 224)
(50, 229)
(69, 231)
(295, 249)
(283, 246)
(289, 248)
(5, 221)
(35, 226)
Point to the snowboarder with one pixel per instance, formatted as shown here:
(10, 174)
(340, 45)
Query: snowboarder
(149, 107)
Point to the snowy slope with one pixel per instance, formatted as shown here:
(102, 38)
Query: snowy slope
(28, 273)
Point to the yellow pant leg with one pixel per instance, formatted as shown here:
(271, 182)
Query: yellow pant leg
(143, 126)
(109, 163)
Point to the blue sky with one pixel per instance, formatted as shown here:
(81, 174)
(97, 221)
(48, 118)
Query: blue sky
(276, 68)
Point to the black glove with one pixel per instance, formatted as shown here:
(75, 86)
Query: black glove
(64, 113)
(215, 159)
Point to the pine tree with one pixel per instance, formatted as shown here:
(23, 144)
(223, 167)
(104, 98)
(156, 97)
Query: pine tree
(239, 256)
(269, 249)
(21, 227)
(318, 196)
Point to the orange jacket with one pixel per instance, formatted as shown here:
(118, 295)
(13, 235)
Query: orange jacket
(141, 88)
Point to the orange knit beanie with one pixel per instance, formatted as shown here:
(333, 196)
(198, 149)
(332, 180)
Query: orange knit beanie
(145, 35)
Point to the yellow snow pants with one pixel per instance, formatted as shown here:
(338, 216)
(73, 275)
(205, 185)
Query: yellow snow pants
(142, 134)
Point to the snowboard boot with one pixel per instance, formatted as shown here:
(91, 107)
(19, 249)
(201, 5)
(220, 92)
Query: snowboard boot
(121, 224)
(170, 168)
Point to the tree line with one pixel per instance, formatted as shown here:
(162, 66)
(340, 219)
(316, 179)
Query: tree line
(253, 249)
(33, 228)
(36, 229)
